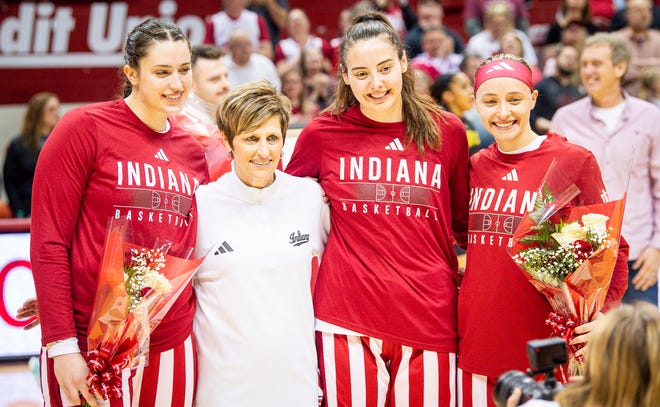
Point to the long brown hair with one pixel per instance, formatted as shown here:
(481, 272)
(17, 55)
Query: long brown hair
(623, 361)
(418, 112)
(33, 119)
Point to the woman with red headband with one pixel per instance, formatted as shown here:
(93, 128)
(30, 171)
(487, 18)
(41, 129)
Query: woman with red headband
(498, 309)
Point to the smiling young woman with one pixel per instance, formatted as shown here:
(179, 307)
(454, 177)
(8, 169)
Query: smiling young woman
(494, 291)
(394, 166)
(104, 157)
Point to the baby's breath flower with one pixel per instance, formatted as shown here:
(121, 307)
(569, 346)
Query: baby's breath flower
(142, 273)
(551, 264)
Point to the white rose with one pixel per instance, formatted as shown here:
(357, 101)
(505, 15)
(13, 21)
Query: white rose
(596, 222)
(569, 233)
(157, 282)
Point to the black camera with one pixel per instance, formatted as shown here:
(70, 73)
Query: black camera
(544, 356)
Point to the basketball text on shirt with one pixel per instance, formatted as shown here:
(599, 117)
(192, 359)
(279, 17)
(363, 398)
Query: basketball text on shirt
(170, 204)
(402, 187)
(496, 213)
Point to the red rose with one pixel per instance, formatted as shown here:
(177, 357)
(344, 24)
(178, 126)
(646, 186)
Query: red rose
(583, 249)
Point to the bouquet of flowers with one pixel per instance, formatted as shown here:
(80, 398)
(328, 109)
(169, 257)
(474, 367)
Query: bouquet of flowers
(568, 253)
(136, 288)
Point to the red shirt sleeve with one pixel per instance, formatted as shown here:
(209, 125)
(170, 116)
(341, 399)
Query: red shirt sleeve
(306, 158)
(459, 182)
(67, 157)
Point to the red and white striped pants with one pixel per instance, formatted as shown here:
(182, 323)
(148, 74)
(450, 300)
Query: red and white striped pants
(359, 371)
(168, 380)
(475, 390)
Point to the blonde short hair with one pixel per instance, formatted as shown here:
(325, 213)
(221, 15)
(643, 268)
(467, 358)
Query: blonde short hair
(248, 106)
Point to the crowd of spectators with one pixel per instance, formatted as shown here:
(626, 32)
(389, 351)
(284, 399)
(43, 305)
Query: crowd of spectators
(434, 49)
(267, 39)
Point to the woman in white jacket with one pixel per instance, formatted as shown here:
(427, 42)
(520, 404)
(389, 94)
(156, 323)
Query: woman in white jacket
(254, 323)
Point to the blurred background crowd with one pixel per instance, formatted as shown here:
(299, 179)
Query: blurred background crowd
(446, 40)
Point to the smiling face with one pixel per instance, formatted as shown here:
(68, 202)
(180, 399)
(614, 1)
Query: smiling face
(210, 80)
(161, 82)
(504, 105)
(374, 73)
(600, 77)
(313, 60)
(297, 24)
(257, 152)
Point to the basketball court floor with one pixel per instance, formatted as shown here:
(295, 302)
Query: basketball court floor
(18, 386)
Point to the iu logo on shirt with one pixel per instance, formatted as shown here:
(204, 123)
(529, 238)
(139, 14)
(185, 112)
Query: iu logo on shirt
(296, 238)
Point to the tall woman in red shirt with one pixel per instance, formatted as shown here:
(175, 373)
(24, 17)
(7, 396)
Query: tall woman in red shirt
(124, 160)
(394, 167)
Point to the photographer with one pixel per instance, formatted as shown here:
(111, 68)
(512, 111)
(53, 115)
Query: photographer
(623, 364)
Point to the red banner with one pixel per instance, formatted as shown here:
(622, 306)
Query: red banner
(74, 48)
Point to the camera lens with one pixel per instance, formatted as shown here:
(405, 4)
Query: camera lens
(514, 378)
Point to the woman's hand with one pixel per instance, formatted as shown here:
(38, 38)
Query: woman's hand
(583, 334)
(71, 372)
(29, 309)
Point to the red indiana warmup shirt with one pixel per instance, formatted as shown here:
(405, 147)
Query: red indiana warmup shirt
(102, 162)
(389, 267)
(498, 309)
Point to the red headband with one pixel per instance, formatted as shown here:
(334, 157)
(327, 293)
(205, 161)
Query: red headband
(503, 68)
